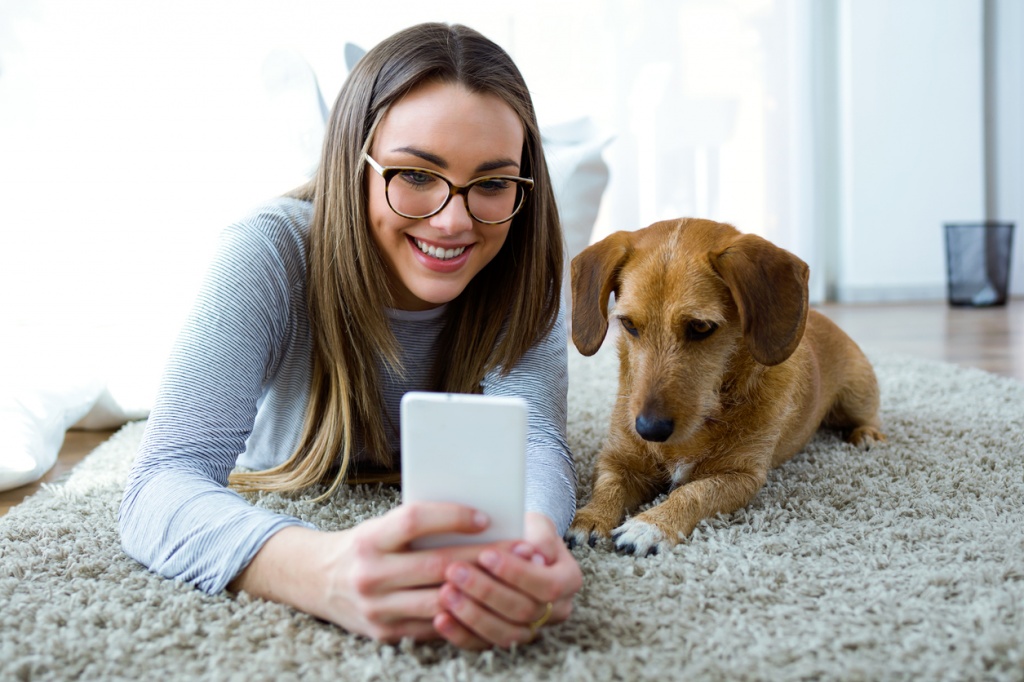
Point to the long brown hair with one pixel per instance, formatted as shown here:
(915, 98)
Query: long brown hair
(503, 311)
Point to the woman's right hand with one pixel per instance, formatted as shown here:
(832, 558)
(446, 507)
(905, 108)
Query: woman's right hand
(366, 579)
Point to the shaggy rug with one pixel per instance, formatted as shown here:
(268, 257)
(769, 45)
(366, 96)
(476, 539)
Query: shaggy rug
(904, 562)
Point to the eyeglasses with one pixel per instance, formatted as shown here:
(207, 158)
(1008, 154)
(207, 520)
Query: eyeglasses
(418, 193)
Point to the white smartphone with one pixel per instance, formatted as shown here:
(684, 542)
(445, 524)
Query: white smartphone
(469, 449)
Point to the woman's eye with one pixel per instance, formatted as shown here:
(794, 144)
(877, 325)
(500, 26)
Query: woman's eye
(493, 185)
(697, 330)
(417, 178)
(627, 324)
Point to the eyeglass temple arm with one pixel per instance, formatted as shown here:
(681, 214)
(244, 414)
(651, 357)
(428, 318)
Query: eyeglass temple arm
(376, 166)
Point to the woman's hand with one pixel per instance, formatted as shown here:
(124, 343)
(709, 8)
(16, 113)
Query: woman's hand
(503, 597)
(366, 579)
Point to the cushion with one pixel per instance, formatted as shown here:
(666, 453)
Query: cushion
(579, 177)
(50, 385)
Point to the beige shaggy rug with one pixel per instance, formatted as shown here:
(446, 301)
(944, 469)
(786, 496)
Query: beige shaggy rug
(905, 562)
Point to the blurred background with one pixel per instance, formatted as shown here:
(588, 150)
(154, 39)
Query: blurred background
(847, 131)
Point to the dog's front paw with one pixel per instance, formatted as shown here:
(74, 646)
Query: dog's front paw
(577, 536)
(588, 527)
(640, 538)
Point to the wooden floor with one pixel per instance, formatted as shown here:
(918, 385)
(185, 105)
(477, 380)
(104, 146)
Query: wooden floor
(988, 338)
(991, 339)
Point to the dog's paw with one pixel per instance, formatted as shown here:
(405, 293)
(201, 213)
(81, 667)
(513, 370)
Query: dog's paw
(588, 527)
(863, 437)
(639, 538)
(576, 536)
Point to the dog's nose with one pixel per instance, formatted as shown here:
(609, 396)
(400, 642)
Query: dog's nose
(656, 430)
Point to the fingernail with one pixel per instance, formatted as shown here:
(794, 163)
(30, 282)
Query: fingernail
(489, 559)
(523, 551)
(452, 598)
(460, 575)
(444, 626)
(539, 559)
(481, 520)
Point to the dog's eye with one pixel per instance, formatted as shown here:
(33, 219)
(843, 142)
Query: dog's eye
(698, 330)
(627, 324)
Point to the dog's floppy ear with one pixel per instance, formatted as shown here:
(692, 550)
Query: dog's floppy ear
(769, 286)
(595, 273)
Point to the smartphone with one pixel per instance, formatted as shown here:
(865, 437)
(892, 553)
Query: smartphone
(469, 449)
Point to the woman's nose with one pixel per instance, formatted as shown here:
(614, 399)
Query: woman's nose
(454, 217)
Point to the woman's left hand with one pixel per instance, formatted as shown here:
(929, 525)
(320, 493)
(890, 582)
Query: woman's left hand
(507, 596)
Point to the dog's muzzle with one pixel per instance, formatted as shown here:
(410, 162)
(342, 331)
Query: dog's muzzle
(654, 429)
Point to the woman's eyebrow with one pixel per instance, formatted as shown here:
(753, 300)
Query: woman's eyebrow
(495, 165)
(441, 163)
(426, 156)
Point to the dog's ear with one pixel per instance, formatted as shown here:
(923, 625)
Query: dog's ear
(595, 273)
(769, 286)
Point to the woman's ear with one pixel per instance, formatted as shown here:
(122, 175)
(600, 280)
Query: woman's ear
(595, 273)
(769, 286)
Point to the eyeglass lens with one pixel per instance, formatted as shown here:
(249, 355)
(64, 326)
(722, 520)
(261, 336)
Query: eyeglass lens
(418, 193)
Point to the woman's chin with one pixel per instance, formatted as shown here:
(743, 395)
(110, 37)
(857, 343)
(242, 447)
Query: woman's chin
(428, 295)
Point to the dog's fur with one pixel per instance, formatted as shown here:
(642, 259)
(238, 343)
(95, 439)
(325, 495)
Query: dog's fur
(723, 374)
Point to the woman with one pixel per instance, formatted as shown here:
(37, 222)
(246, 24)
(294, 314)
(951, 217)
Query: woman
(424, 255)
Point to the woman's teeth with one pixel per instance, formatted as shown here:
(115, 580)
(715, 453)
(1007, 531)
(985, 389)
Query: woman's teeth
(440, 254)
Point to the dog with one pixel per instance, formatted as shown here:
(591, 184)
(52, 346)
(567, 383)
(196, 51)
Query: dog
(724, 373)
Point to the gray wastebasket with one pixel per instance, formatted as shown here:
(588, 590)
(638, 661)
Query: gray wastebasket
(978, 257)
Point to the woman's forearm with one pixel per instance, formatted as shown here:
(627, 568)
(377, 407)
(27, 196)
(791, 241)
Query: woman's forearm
(291, 569)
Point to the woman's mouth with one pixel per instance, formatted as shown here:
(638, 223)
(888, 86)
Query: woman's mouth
(439, 253)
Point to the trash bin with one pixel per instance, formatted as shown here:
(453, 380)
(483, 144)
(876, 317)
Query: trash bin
(978, 257)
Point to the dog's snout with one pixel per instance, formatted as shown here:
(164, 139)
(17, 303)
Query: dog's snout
(654, 429)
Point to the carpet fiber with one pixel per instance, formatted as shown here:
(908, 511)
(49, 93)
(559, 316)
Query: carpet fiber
(903, 562)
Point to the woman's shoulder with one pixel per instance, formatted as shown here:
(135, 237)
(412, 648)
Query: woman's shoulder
(278, 228)
(284, 211)
(281, 218)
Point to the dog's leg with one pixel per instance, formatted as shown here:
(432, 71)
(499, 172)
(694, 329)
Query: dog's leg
(618, 487)
(855, 411)
(709, 493)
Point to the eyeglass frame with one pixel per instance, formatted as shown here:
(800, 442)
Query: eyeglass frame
(389, 172)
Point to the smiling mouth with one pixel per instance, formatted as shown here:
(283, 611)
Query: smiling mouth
(439, 254)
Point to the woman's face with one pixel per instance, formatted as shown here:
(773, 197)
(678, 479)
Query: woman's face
(462, 135)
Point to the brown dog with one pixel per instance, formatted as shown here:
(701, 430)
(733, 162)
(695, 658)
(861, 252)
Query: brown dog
(723, 374)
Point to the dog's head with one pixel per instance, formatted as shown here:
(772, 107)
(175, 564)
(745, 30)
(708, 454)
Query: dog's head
(692, 296)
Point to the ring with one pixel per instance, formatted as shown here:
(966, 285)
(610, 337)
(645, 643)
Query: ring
(535, 625)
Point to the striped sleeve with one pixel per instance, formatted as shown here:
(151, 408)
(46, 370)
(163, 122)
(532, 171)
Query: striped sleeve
(177, 516)
(542, 378)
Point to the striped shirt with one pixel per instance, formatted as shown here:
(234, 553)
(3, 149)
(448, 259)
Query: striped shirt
(235, 392)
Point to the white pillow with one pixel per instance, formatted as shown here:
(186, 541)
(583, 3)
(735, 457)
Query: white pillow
(35, 420)
(579, 177)
(43, 393)
(51, 381)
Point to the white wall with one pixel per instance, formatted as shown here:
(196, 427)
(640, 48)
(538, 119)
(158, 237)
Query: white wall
(1005, 143)
(911, 142)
